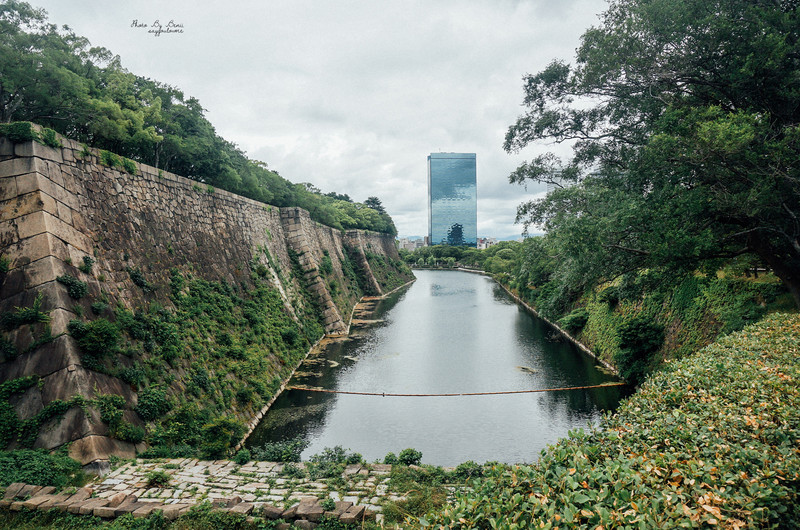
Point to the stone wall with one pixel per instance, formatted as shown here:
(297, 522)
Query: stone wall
(59, 205)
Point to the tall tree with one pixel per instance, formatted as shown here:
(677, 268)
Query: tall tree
(685, 121)
(375, 204)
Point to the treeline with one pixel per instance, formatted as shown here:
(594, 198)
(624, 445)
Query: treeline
(55, 78)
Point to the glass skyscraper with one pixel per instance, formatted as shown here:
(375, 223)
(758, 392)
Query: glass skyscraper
(452, 199)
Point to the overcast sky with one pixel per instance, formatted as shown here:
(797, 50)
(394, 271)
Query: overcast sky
(353, 95)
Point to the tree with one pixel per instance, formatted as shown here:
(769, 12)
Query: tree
(685, 121)
(375, 204)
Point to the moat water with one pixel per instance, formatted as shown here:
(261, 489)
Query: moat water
(449, 332)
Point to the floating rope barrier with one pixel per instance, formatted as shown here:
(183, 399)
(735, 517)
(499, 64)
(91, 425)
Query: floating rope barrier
(386, 394)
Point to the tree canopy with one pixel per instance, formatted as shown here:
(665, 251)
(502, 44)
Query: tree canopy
(55, 78)
(683, 116)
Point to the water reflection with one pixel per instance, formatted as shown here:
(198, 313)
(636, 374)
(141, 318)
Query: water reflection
(449, 332)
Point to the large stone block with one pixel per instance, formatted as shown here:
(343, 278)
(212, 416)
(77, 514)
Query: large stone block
(46, 152)
(44, 270)
(93, 448)
(21, 166)
(23, 204)
(24, 251)
(45, 360)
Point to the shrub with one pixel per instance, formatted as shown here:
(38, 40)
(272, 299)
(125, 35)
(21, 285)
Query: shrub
(129, 165)
(75, 288)
(50, 138)
(220, 436)
(390, 458)
(292, 470)
(639, 338)
(86, 266)
(24, 315)
(575, 321)
(129, 433)
(107, 158)
(39, 468)
(409, 457)
(97, 340)
(242, 457)
(18, 132)
(330, 462)
(138, 279)
(157, 479)
(153, 403)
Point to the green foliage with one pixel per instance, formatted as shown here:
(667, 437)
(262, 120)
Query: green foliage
(40, 468)
(153, 403)
(409, 457)
(19, 132)
(390, 458)
(5, 263)
(86, 266)
(75, 288)
(158, 479)
(97, 340)
(575, 321)
(708, 440)
(138, 279)
(220, 436)
(50, 138)
(330, 462)
(128, 165)
(639, 338)
(24, 315)
(292, 470)
(242, 457)
(285, 451)
(328, 504)
(107, 158)
(683, 173)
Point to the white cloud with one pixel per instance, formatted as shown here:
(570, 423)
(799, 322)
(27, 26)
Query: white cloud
(353, 95)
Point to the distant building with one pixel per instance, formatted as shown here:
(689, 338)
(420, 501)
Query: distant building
(452, 199)
(486, 242)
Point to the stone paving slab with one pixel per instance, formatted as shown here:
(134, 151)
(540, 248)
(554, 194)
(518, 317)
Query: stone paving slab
(254, 489)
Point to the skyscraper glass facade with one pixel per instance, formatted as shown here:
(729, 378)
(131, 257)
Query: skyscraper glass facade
(452, 199)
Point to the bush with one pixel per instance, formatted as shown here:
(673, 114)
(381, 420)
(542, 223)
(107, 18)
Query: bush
(24, 315)
(75, 288)
(575, 321)
(86, 266)
(390, 459)
(220, 436)
(39, 468)
(158, 479)
(153, 403)
(97, 339)
(409, 457)
(330, 462)
(129, 166)
(18, 132)
(242, 457)
(639, 338)
(718, 426)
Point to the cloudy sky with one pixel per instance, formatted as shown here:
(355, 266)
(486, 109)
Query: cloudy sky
(352, 95)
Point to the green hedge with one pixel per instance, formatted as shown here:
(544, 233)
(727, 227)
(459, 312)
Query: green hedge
(708, 440)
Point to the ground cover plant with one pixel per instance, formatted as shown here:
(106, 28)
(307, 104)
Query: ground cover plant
(708, 440)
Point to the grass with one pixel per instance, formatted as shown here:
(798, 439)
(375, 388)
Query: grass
(708, 440)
